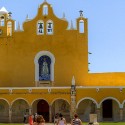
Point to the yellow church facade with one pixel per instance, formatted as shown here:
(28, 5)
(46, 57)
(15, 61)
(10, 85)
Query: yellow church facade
(44, 70)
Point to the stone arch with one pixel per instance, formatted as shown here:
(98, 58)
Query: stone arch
(4, 110)
(85, 107)
(19, 99)
(112, 99)
(61, 105)
(60, 98)
(41, 107)
(19, 107)
(87, 98)
(5, 100)
(107, 106)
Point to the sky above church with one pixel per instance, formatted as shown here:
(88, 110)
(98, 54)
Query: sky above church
(106, 27)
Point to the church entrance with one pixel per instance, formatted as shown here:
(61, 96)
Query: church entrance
(43, 109)
(107, 109)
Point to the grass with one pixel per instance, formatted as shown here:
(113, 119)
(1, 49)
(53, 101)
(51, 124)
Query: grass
(11, 124)
(109, 123)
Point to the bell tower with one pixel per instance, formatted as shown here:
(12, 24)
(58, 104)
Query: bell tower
(6, 23)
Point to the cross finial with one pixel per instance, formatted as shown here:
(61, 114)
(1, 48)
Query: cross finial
(81, 13)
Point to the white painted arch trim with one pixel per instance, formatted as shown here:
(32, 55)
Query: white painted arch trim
(59, 99)
(38, 55)
(120, 105)
(123, 103)
(37, 99)
(19, 99)
(5, 100)
(86, 98)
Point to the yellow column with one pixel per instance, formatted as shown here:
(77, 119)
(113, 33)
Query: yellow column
(98, 114)
(30, 110)
(10, 114)
(121, 114)
(50, 113)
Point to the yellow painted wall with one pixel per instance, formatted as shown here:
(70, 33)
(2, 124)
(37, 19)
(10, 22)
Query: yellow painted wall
(69, 47)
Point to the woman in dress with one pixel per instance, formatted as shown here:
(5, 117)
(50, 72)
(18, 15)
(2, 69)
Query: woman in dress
(31, 120)
(61, 120)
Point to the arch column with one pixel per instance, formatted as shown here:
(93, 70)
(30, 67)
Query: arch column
(121, 114)
(30, 110)
(98, 111)
(10, 114)
(50, 113)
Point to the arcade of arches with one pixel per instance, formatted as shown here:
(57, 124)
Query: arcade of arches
(86, 106)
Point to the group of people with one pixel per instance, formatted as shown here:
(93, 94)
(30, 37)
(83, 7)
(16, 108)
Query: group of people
(58, 120)
(39, 120)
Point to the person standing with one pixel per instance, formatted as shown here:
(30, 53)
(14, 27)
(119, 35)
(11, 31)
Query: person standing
(24, 118)
(39, 120)
(56, 118)
(61, 120)
(76, 120)
(30, 120)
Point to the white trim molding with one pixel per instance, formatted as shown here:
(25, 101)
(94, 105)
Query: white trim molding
(38, 55)
(120, 105)
(86, 98)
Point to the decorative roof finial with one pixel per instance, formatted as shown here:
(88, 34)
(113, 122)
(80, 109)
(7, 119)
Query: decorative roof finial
(27, 17)
(71, 27)
(73, 80)
(9, 15)
(81, 13)
(63, 15)
(18, 27)
(45, 1)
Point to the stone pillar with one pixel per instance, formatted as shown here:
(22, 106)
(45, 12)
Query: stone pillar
(121, 114)
(73, 102)
(98, 114)
(10, 114)
(30, 110)
(50, 113)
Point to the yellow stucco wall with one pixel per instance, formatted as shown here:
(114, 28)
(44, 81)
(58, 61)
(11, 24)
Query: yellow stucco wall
(69, 47)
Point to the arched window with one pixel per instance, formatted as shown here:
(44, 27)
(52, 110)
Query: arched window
(40, 27)
(81, 26)
(45, 10)
(2, 21)
(49, 27)
(44, 68)
(9, 28)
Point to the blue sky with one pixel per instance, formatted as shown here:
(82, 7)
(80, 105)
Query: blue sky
(106, 26)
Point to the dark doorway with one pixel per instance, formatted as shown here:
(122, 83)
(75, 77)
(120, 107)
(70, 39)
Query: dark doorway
(107, 108)
(43, 109)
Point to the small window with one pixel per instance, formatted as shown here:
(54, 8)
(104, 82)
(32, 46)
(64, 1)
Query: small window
(81, 26)
(45, 10)
(9, 28)
(2, 21)
(40, 28)
(50, 27)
